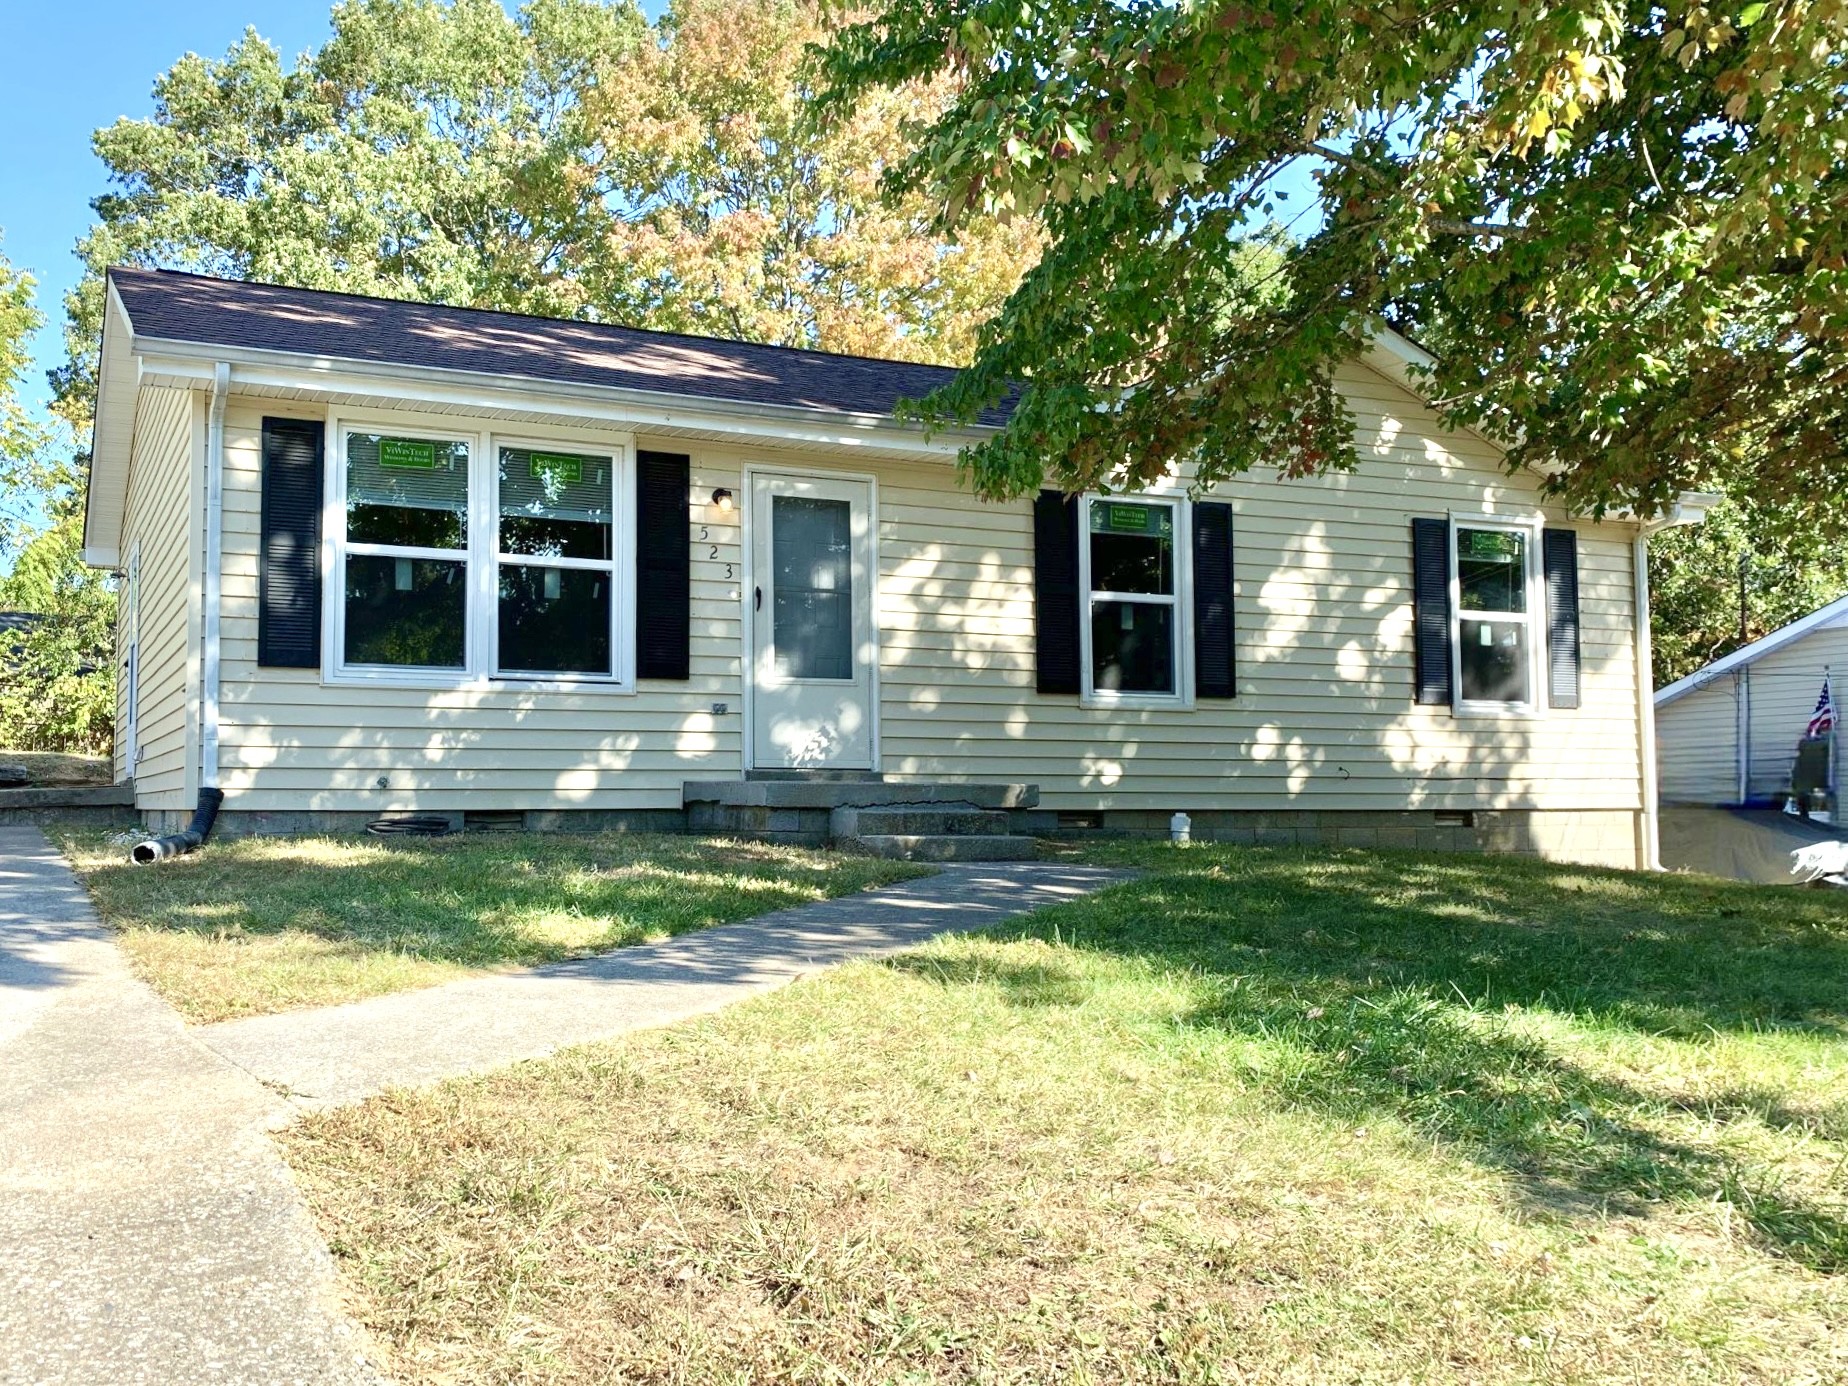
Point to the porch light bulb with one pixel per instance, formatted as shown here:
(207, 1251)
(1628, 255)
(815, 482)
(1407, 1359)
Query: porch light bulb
(723, 499)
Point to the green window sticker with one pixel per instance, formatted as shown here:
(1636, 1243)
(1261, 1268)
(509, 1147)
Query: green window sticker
(558, 466)
(1110, 517)
(1494, 546)
(407, 454)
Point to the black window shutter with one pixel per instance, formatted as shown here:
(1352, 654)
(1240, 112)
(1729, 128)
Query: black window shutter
(1055, 592)
(1431, 609)
(289, 566)
(663, 566)
(1214, 672)
(1559, 552)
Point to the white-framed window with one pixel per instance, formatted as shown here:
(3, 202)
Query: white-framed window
(463, 559)
(559, 563)
(1495, 602)
(1135, 634)
(402, 583)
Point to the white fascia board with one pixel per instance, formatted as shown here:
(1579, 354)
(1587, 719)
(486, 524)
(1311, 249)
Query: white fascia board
(637, 409)
(1836, 612)
(1398, 349)
(112, 437)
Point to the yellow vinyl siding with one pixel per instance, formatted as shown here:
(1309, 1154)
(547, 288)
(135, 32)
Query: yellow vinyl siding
(1324, 718)
(160, 519)
(1324, 715)
(287, 741)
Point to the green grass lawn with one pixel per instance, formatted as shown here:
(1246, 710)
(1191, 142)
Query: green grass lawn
(254, 925)
(1260, 1116)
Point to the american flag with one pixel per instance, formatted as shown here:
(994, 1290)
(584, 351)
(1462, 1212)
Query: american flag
(1822, 720)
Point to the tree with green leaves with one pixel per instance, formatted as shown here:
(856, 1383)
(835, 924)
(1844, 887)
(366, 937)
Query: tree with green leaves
(23, 440)
(1723, 583)
(571, 159)
(57, 686)
(57, 692)
(1621, 228)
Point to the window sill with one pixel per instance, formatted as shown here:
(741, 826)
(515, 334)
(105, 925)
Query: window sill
(472, 683)
(1136, 702)
(1519, 712)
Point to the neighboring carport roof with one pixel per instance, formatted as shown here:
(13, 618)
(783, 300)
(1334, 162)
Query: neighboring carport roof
(165, 305)
(1834, 614)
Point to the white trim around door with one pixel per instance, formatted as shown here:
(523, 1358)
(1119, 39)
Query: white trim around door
(818, 723)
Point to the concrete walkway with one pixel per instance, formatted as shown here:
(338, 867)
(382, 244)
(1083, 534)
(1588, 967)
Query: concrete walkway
(345, 1053)
(149, 1231)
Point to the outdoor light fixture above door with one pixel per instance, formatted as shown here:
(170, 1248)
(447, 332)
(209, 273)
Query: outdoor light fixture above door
(722, 498)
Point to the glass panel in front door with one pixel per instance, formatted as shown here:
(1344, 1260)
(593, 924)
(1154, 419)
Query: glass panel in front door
(811, 618)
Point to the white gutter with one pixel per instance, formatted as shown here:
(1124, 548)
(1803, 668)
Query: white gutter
(1690, 509)
(214, 564)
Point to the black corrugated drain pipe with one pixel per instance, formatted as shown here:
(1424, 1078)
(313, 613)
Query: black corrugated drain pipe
(175, 844)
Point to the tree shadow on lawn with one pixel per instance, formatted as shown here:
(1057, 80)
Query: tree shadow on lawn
(1385, 984)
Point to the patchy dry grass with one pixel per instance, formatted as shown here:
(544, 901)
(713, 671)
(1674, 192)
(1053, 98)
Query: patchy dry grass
(256, 925)
(55, 769)
(1259, 1116)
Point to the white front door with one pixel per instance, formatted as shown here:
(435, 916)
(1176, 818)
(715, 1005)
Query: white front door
(812, 622)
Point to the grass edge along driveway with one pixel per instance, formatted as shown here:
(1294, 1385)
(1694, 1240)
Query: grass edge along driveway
(1257, 1116)
(250, 926)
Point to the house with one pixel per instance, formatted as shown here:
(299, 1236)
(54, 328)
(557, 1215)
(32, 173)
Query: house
(1729, 732)
(382, 557)
(15, 626)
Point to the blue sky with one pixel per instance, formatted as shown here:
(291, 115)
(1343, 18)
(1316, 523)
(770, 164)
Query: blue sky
(75, 65)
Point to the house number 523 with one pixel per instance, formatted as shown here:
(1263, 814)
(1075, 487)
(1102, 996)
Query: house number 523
(705, 537)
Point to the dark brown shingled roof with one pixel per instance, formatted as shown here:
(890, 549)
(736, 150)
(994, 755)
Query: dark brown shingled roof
(171, 306)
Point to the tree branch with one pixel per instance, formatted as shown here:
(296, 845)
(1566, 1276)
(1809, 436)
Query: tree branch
(1451, 226)
(1442, 226)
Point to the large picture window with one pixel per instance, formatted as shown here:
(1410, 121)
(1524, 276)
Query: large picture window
(1494, 585)
(1132, 569)
(464, 560)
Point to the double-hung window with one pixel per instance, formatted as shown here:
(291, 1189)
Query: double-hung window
(463, 559)
(1494, 582)
(407, 552)
(556, 562)
(1132, 574)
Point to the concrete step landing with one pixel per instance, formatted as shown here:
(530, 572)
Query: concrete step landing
(914, 821)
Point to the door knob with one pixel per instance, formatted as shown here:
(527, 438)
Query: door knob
(760, 599)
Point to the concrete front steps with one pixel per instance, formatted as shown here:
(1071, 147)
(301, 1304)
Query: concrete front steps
(911, 822)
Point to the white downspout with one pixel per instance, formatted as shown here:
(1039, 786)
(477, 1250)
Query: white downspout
(1651, 853)
(1691, 509)
(214, 565)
